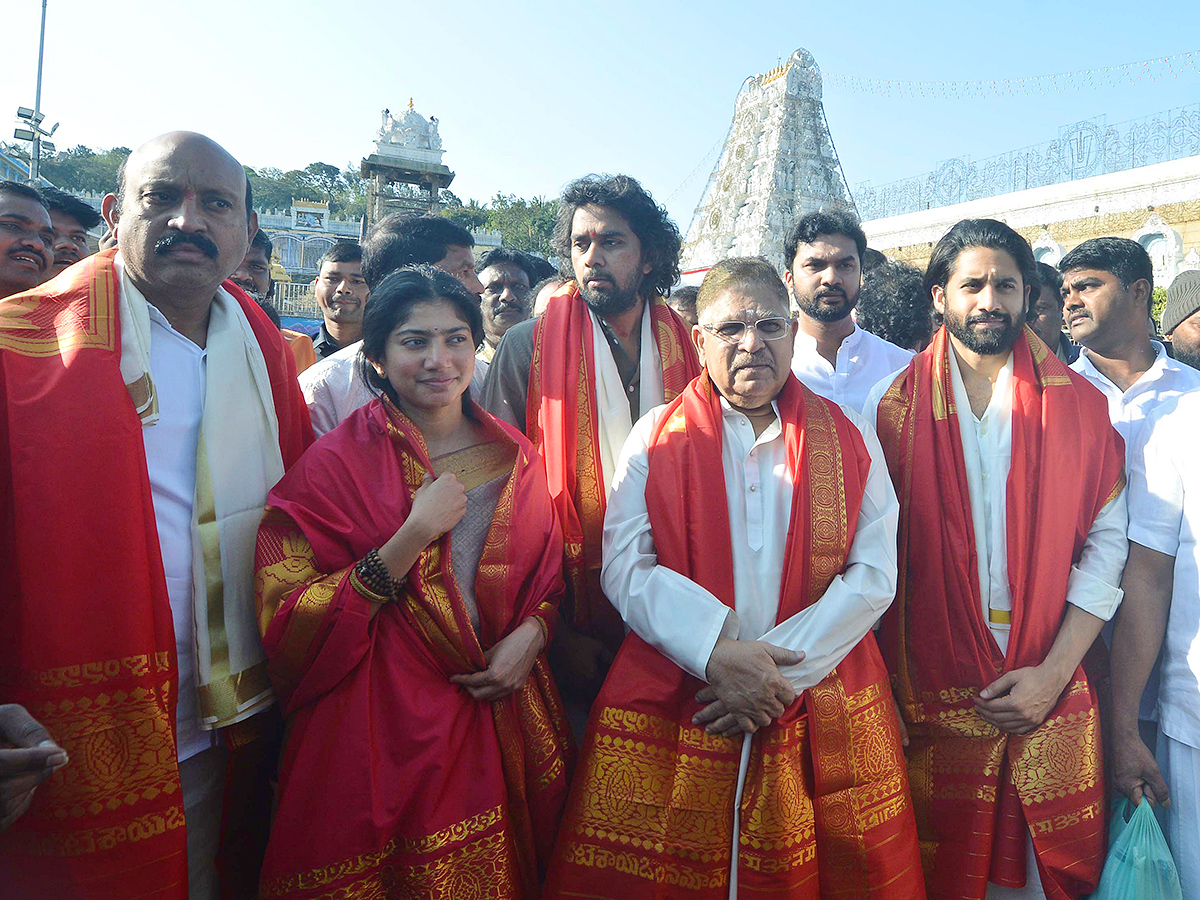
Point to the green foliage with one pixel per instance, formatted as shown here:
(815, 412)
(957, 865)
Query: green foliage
(1157, 304)
(523, 224)
(83, 170)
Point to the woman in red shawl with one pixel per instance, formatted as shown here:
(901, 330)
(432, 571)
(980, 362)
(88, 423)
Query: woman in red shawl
(408, 576)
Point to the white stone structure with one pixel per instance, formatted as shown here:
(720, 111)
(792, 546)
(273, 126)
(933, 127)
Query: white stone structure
(411, 138)
(1121, 204)
(778, 163)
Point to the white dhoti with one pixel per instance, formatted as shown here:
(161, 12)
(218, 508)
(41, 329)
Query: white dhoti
(1180, 766)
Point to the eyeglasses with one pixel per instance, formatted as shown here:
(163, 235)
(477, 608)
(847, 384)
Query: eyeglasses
(772, 328)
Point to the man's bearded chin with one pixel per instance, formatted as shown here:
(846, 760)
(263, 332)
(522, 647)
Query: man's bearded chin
(1189, 357)
(815, 309)
(611, 301)
(989, 343)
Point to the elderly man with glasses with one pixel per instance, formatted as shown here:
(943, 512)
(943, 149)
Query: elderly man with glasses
(721, 750)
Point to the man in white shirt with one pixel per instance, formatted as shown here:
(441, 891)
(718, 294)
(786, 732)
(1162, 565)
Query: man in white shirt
(822, 258)
(1012, 541)
(1108, 287)
(333, 387)
(1162, 597)
(154, 406)
(750, 599)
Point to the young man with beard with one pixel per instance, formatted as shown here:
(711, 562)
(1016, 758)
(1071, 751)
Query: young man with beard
(147, 405)
(835, 358)
(1012, 541)
(341, 293)
(607, 350)
(1180, 322)
(750, 545)
(72, 218)
(26, 238)
(506, 300)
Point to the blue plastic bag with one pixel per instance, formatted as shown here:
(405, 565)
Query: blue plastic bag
(1139, 863)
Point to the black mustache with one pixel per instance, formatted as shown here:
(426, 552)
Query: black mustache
(829, 292)
(174, 238)
(989, 317)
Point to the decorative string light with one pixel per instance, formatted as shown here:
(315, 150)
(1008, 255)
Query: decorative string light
(1162, 68)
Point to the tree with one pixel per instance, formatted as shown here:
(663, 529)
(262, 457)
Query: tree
(84, 170)
(523, 224)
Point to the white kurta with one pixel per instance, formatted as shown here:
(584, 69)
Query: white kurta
(987, 457)
(862, 360)
(683, 620)
(1092, 584)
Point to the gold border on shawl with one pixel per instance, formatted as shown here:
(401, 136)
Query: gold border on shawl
(96, 317)
(235, 691)
(214, 592)
(456, 865)
(308, 613)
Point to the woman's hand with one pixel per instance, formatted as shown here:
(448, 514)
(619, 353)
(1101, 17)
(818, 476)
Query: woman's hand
(438, 505)
(509, 661)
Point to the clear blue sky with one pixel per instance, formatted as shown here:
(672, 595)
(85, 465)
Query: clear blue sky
(531, 94)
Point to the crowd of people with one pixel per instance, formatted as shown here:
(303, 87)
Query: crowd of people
(449, 601)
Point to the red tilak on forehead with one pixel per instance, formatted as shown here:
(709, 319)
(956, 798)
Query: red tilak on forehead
(189, 194)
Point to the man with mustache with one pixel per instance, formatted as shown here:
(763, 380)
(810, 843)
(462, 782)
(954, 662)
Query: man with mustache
(607, 350)
(1108, 289)
(1012, 540)
(341, 293)
(26, 238)
(750, 544)
(147, 405)
(72, 219)
(254, 277)
(822, 257)
(506, 300)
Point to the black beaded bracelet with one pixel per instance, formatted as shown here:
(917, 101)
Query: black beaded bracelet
(376, 577)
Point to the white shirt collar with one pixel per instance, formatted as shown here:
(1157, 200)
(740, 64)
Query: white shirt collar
(1156, 370)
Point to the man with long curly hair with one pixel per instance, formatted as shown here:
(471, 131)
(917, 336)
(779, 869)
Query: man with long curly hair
(607, 350)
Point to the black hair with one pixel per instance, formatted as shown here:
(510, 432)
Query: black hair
(814, 224)
(24, 191)
(739, 270)
(272, 313)
(654, 229)
(392, 302)
(1124, 258)
(68, 204)
(541, 269)
(987, 233)
(263, 243)
(502, 256)
(685, 297)
(342, 251)
(402, 239)
(893, 305)
(1049, 281)
(121, 190)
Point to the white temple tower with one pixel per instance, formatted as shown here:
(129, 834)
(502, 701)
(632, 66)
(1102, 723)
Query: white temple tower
(777, 164)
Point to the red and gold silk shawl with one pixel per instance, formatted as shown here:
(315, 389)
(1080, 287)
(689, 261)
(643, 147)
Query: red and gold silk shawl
(394, 782)
(86, 636)
(975, 788)
(561, 421)
(825, 809)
